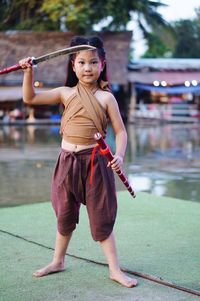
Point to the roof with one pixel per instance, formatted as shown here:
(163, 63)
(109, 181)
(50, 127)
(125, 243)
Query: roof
(172, 71)
(16, 45)
(160, 64)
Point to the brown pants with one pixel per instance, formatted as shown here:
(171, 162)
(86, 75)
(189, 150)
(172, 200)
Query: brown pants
(71, 187)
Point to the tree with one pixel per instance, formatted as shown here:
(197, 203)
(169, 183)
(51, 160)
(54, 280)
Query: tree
(80, 15)
(185, 45)
(188, 38)
(157, 48)
(23, 14)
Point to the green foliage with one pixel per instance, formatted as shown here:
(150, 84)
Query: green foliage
(188, 38)
(157, 48)
(79, 15)
(186, 43)
(22, 14)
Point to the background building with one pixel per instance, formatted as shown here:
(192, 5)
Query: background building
(165, 89)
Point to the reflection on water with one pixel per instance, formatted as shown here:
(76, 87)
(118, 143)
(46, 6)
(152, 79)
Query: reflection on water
(163, 160)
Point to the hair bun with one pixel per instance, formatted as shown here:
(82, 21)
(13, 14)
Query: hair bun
(81, 40)
(96, 42)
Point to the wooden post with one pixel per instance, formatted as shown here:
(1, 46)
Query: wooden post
(132, 105)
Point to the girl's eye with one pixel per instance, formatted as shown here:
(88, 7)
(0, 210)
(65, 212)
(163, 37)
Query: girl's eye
(81, 62)
(95, 62)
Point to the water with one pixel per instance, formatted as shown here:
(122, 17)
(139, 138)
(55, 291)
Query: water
(163, 160)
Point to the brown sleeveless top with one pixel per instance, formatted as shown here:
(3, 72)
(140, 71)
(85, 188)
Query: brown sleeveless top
(83, 116)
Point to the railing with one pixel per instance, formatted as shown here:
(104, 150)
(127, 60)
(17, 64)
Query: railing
(166, 112)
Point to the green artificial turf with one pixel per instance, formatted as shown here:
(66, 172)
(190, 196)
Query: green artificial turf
(155, 235)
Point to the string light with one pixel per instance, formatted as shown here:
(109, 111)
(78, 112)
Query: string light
(194, 82)
(187, 83)
(36, 84)
(163, 83)
(156, 83)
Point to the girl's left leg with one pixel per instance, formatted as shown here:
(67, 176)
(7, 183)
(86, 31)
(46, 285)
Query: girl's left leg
(109, 248)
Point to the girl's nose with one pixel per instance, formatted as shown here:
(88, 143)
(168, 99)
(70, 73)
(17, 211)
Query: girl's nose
(87, 67)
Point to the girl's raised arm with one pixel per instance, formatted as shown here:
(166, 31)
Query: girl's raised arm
(29, 96)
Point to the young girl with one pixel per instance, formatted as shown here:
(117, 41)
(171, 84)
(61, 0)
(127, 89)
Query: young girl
(88, 103)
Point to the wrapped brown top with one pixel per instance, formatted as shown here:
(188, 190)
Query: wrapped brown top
(83, 116)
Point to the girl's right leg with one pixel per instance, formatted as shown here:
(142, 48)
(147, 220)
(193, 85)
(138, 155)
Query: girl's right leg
(57, 264)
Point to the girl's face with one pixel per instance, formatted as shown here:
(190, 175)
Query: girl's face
(87, 66)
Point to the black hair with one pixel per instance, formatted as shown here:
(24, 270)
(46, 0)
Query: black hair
(95, 41)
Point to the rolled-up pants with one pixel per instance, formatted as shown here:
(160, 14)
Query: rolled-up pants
(71, 186)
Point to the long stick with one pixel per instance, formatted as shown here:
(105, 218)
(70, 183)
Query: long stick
(101, 142)
(48, 56)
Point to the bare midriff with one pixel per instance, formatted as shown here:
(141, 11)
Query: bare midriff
(75, 147)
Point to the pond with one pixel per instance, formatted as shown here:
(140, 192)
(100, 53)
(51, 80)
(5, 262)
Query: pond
(163, 160)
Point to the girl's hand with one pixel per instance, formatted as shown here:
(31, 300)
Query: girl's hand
(26, 64)
(116, 163)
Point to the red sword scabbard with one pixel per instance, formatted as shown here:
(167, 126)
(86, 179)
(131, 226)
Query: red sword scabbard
(106, 150)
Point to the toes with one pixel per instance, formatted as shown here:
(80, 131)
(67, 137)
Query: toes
(124, 280)
(48, 270)
(132, 283)
(37, 274)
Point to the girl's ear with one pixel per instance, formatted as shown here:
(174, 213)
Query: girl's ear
(103, 63)
(72, 62)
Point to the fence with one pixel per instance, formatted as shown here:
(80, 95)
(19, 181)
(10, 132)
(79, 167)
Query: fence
(167, 112)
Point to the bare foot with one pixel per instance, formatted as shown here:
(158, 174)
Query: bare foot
(49, 269)
(123, 279)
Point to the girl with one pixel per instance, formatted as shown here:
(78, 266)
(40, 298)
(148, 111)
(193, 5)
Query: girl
(88, 103)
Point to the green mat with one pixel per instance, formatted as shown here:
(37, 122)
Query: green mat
(155, 235)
